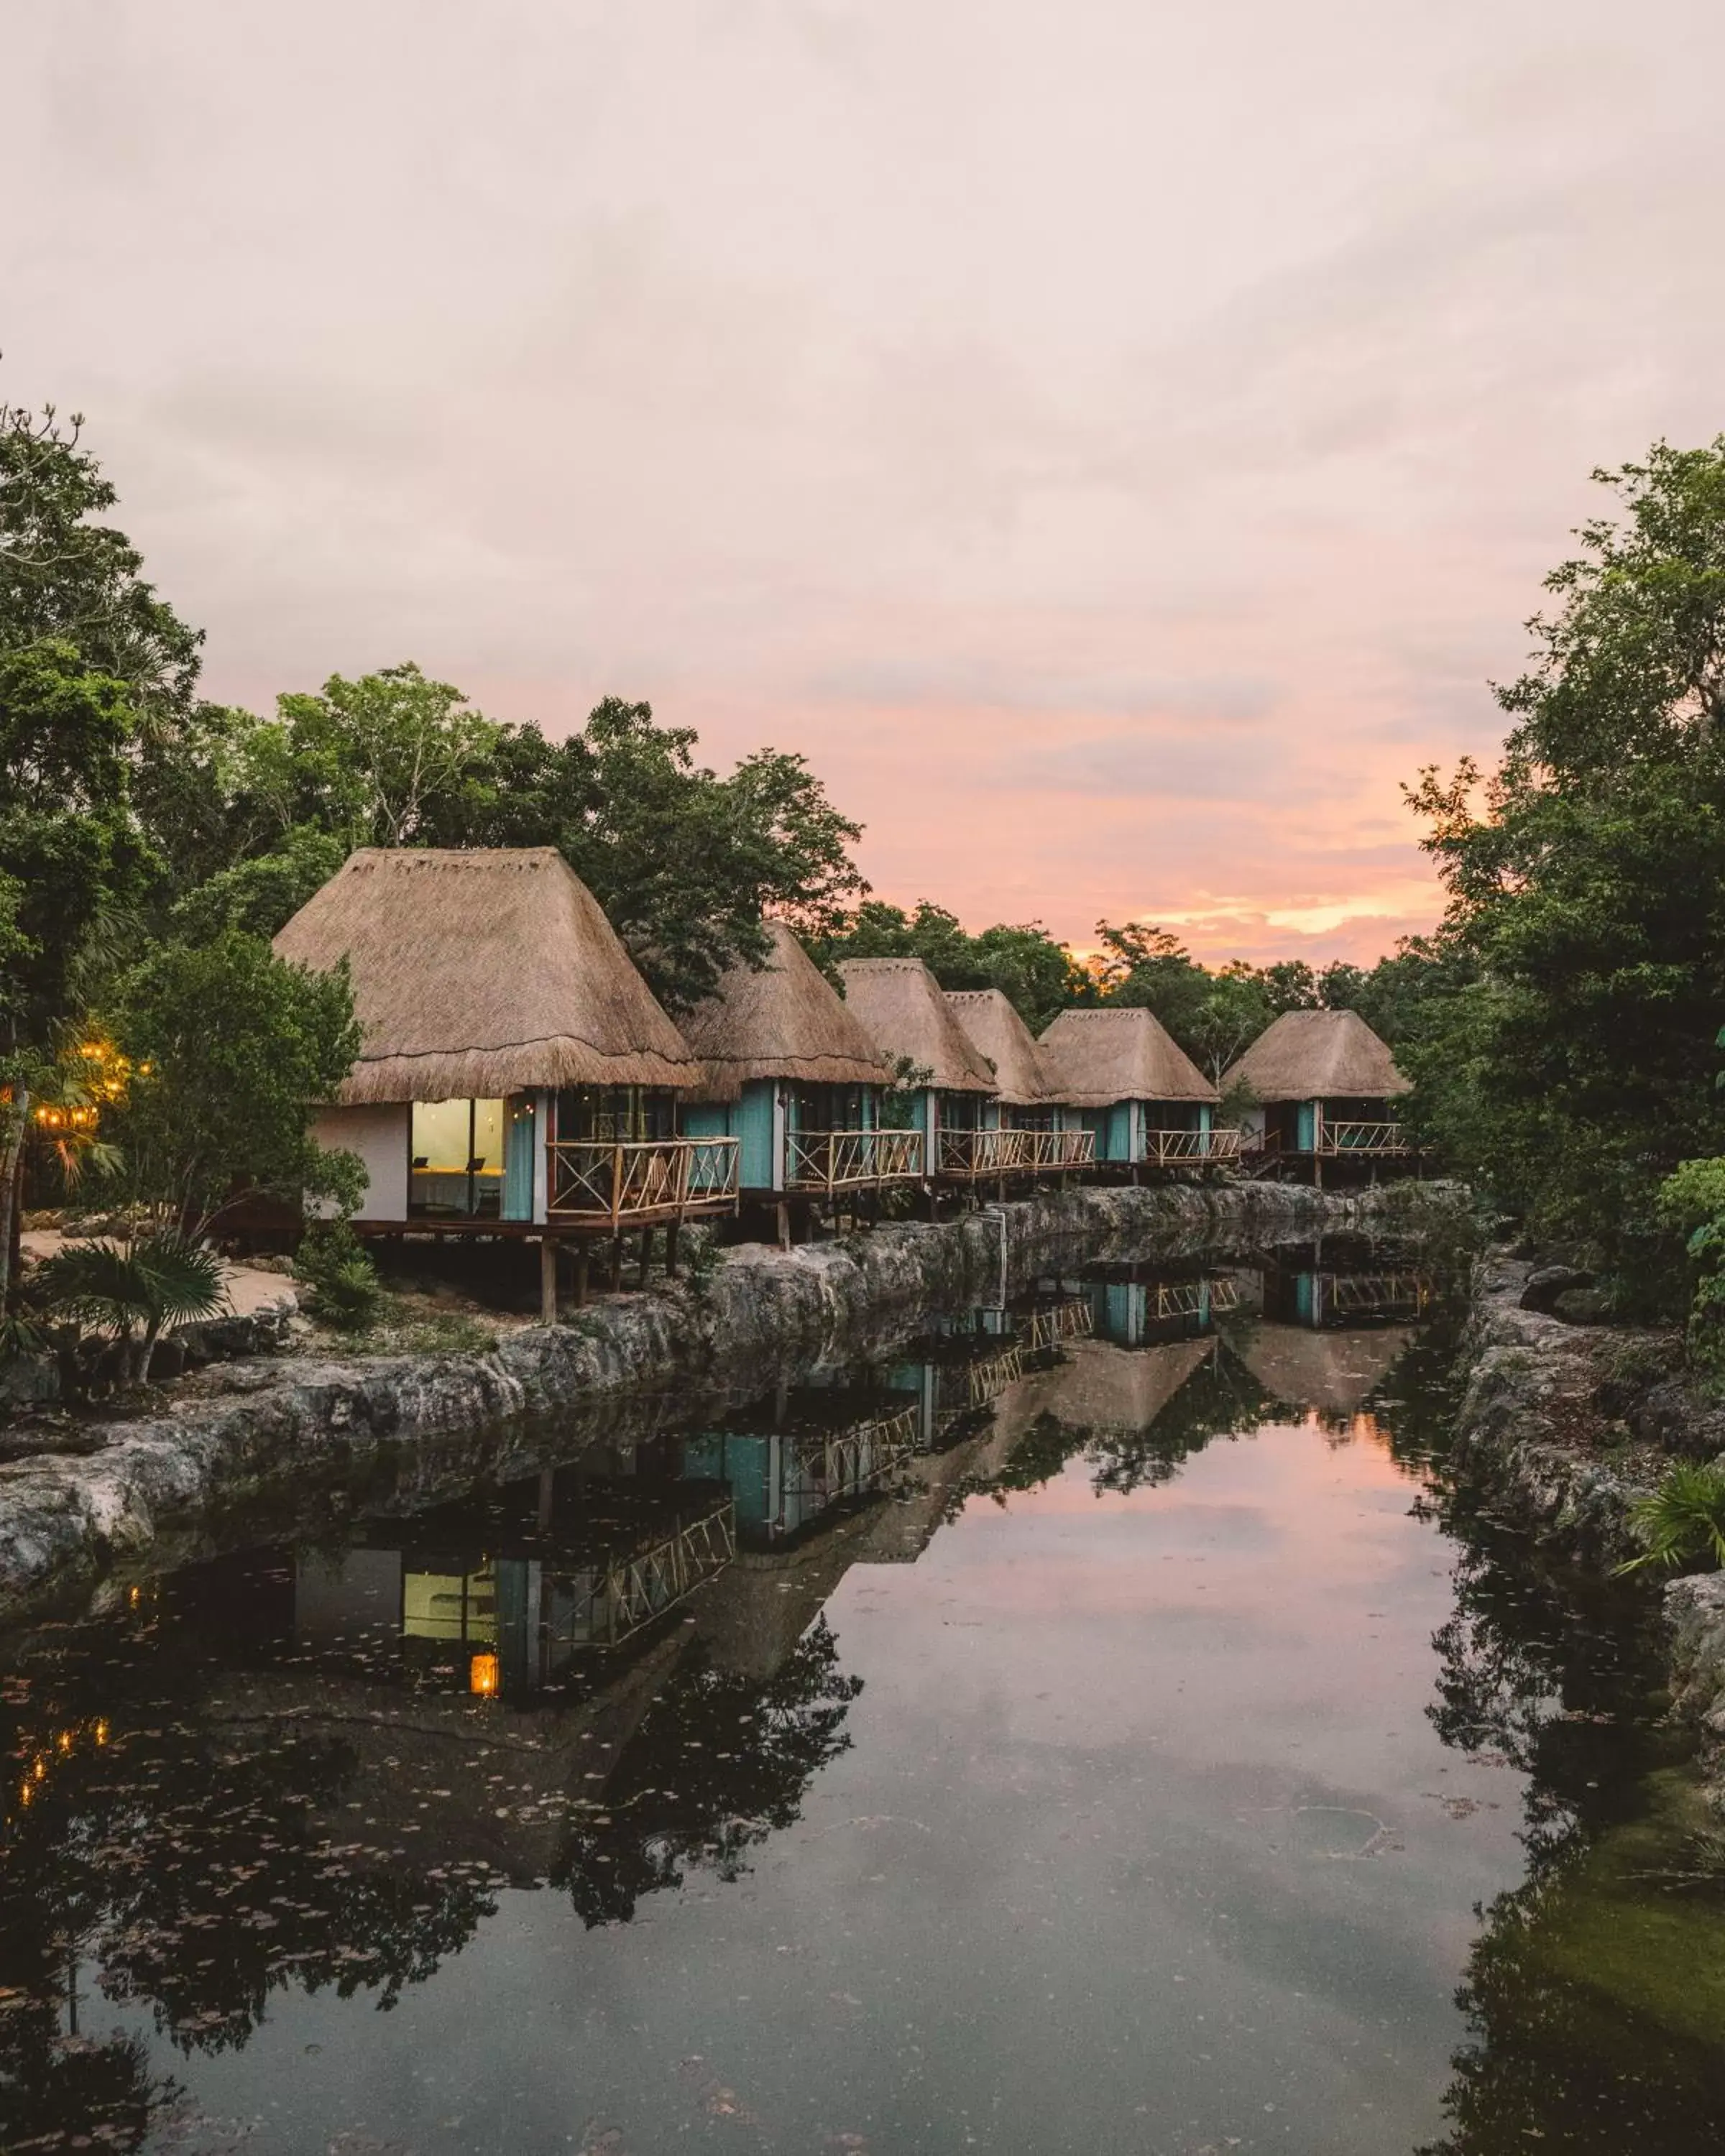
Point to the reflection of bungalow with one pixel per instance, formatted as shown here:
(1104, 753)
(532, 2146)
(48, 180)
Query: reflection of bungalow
(1145, 1100)
(783, 1480)
(1029, 1101)
(951, 1095)
(1326, 1087)
(1333, 1372)
(791, 1074)
(1383, 1296)
(515, 1072)
(1106, 1389)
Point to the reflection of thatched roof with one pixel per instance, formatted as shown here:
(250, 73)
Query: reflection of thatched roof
(1318, 1054)
(479, 973)
(900, 1006)
(785, 1020)
(1095, 1058)
(1103, 1388)
(993, 1027)
(1333, 1372)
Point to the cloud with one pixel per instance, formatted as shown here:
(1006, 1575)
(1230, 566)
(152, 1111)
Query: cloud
(1116, 445)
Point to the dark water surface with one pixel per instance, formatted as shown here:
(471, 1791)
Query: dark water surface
(1103, 1729)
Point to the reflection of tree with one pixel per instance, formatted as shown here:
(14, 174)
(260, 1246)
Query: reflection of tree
(1580, 2035)
(1220, 1399)
(1576, 2041)
(181, 1858)
(720, 1762)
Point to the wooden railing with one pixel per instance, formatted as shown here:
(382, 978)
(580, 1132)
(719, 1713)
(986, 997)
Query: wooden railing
(1191, 1148)
(1377, 1294)
(614, 1185)
(632, 1591)
(1350, 1137)
(848, 1462)
(1060, 1320)
(982, 1153)
(1212, 1298)
(853, 1160)
(1057, 1149)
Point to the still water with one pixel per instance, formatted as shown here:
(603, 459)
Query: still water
(1104, 1728)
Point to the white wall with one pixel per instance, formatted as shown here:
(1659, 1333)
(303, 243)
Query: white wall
(379, 1135)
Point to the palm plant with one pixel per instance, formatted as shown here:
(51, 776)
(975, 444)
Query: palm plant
(133, 1290)
(1683, 1521)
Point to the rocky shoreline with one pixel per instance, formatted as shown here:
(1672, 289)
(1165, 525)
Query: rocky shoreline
(1563, 1427)
(149, 1488)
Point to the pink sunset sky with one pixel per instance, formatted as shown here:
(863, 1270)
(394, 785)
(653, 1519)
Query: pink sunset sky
(1117, 441)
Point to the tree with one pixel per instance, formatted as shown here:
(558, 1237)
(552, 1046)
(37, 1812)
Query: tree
(231, 1049)
(70, 855)
(1572, 1065)
(684, 863)
(1039, 976)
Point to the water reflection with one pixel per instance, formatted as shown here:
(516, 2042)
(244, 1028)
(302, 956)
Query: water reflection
(661, 1688)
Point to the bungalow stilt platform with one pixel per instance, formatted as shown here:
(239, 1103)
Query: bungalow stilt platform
(516, 1078)
(1147, 1105)
(1326, 1087)
(1035, 1139)
(949, 1094)
(790, 1073)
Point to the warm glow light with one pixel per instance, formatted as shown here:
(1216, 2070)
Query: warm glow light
(483, 1675)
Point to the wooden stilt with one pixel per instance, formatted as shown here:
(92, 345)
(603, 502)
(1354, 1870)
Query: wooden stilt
(784, 1225)
(548, 1498)
(583, 1258)
(548, 1280)
(646, 1255)
(670, 1249)
(617, 1262)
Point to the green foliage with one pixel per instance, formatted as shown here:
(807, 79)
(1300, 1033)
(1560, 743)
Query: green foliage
(1039, 977)
(232, 1049)
(132, 1291)
(1570, 1066)
(1683, 1521)
(343, 1288)
(1692, 1201)
(260, 895)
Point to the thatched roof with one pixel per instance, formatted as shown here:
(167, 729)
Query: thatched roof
(901, 1007)
(479, 973)
(1105, 1388)
(1095, 1058)
(993, 1027)
(1316, 1055)
(1333, 1372)
(786, 1020)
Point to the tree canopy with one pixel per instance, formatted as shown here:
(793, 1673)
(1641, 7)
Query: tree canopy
(1574, 1065)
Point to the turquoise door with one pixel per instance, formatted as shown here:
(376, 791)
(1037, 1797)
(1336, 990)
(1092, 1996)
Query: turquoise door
(1307, 1126)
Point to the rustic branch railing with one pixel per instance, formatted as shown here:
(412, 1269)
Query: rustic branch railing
(1063, 1321)
(634, 1590)
(1212, 1298)
(1191, 1148)
(1376, 1294)
(853, 1160)
(1351, 1138)
(848, 1462)
(983, 1153)
(611, 1183)
(1058, 1149)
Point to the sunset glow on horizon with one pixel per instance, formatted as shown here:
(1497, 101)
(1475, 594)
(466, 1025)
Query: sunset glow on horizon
(1118, 446)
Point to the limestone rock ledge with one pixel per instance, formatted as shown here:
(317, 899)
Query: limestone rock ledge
(280, 1428)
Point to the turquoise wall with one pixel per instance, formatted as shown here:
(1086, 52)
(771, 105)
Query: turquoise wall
(750, 1119)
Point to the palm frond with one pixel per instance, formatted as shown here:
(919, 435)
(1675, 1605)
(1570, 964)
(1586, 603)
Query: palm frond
(1683, 1521)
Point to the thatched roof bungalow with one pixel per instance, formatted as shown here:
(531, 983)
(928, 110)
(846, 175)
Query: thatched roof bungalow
(1323, 1084)
(789, 1071)
(505, 1028)
(1029, 1099)
(1128, 1081)
(904, 1013)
